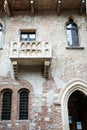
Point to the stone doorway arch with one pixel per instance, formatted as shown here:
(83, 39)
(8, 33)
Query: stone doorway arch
(79, 85)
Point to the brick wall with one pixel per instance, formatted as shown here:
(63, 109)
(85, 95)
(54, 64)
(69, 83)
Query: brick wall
(67, 65)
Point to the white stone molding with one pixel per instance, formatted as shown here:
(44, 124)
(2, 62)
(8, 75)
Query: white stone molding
(79, 85)
(31, 53)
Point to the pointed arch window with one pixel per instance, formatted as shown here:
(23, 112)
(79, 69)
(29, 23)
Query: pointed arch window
(23, 105)
(6, 105)
(1, 29)
(72, 33)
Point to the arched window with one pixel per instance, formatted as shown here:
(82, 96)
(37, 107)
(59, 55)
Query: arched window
(6, 105)
(72, 33)
(23, 105)
(1, 28)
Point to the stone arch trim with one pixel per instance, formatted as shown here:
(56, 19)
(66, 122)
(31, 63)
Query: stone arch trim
(17, 85)
(6, 89)
(25, 85)
(64, 96)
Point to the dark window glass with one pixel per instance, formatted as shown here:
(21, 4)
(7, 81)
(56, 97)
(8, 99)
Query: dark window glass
(72, 33)
(28, 36)
(1, 34)
(23, 106)
(6, 106)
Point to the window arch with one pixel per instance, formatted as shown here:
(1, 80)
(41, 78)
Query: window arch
(76, 85)
(72, 33)
(6, 105)
(1, 29)
(23, 104)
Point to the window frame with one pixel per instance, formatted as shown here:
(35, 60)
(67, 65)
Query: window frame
(2, 95)
(75, 41)
(1, 30)
(24, 89)
(28, 32)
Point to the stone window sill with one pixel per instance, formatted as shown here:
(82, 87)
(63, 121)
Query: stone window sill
(22, 121)
(75, 47)
(6, 121)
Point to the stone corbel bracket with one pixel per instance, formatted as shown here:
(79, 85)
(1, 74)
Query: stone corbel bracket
(46, 68)
(32, 7)
(58, 7)
(15, 68)
(81, 6)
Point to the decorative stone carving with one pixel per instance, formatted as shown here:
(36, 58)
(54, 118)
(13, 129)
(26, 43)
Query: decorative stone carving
(15, 67)
(46, 68)
(28, 49)
(27, 52)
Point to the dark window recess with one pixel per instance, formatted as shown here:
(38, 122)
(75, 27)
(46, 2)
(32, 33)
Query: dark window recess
(23, 106)
(72, 33)
(6, 106)
(28, 36)
(1, 27)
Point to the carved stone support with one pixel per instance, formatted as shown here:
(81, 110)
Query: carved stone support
(32, 7)
(6, 8)
(15, 67)
(31, 53)
(46, 68)
(59, 7)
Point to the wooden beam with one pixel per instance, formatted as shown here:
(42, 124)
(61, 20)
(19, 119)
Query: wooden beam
(6, 8)
(81, 6)
(86, 6)
(59, 7)
(32, 7)
(10, 3)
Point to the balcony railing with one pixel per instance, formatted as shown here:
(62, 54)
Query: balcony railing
(30, 50)
(31, 53)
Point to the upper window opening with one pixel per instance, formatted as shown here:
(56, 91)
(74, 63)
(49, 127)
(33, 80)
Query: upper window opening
(6, 105)
(28, 36)
(72, 33)
(1, 28)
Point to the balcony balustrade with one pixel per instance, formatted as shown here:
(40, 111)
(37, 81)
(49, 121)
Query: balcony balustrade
(31, 53)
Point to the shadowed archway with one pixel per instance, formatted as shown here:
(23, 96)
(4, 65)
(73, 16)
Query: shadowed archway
(77, 111)
(71, 88)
